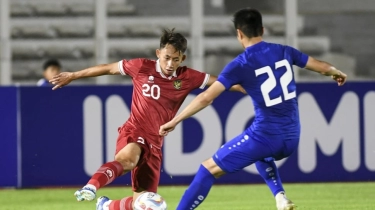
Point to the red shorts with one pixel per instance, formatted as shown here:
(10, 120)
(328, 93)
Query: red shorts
(146, 174)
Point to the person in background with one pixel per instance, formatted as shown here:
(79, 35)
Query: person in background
(51, 68)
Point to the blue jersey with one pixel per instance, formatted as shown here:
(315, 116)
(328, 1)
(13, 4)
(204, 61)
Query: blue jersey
(43, 83)
(265, 72)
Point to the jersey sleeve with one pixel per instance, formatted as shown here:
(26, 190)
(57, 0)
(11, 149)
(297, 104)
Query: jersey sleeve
(198, 79)
(130, 67)
(299, 58)
(231, 75)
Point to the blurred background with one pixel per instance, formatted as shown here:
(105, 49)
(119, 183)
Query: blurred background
(88, 32)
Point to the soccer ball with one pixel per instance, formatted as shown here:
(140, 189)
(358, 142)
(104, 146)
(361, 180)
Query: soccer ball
(150, 201)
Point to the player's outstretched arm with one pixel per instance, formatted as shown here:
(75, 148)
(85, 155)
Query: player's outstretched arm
(326, 69)
(65, 78)
(200, 102)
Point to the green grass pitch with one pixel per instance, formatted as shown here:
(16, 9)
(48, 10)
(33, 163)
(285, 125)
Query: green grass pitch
(322, 196)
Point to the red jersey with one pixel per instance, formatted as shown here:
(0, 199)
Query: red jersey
(157, 97)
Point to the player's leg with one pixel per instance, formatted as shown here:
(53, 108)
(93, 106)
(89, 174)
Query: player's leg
(145, 177)
(270, 173)
(128, 152)
(126, 203)
(208, 172)
(124, 161)
(201, 185)
(236, 154)
(104, 203)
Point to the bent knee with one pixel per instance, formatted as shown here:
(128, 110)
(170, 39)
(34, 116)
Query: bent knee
(213, 168)
(127, 163)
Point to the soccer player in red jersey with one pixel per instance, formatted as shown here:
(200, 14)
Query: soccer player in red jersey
(160, 87)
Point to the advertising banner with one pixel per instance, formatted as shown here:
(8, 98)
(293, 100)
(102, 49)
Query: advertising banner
(8, 137)
(65, 135)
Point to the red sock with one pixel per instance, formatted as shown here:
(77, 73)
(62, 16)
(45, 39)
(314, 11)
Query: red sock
(106, 174)
(123, 204)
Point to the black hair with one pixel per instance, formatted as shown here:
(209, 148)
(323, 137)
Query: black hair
(249, 21)
(177, 40)
(51, 62)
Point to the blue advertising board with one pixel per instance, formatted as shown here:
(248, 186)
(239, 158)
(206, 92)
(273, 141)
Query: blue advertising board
(67, 134)
(8, 137)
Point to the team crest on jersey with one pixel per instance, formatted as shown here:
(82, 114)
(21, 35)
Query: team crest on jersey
(177, 84)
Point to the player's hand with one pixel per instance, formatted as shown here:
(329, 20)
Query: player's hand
(340, 78)
(166, 128)
(61, 80)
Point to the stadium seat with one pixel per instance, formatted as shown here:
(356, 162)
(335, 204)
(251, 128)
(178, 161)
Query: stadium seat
(71, 27)
(36, 31)
(275, 24)
(180, 24)
(66, 27)
(73, 31)
(225, 45)
(218, 29)
(116, 30)
(21, 10)
(27, 70)
(75, 65)
(214, 63)
(60, 52)
(124, 46)
(315, 45)
(16, 32)
(148, 30)
(128, 51)
(50, 9)
(40, 8)
(87, 51)
(66, 30)
(81, 9)
(25, 53)
(121, 9)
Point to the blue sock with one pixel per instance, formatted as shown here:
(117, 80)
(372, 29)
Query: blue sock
(269, 172)
(198, 190)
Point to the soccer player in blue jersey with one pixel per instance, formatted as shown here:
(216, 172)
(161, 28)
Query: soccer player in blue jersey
(51, 68)
(265, 71)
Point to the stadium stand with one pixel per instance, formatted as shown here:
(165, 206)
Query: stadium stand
(65, 30)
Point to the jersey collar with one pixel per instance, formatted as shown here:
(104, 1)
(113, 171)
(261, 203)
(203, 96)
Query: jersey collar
(158, 69)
